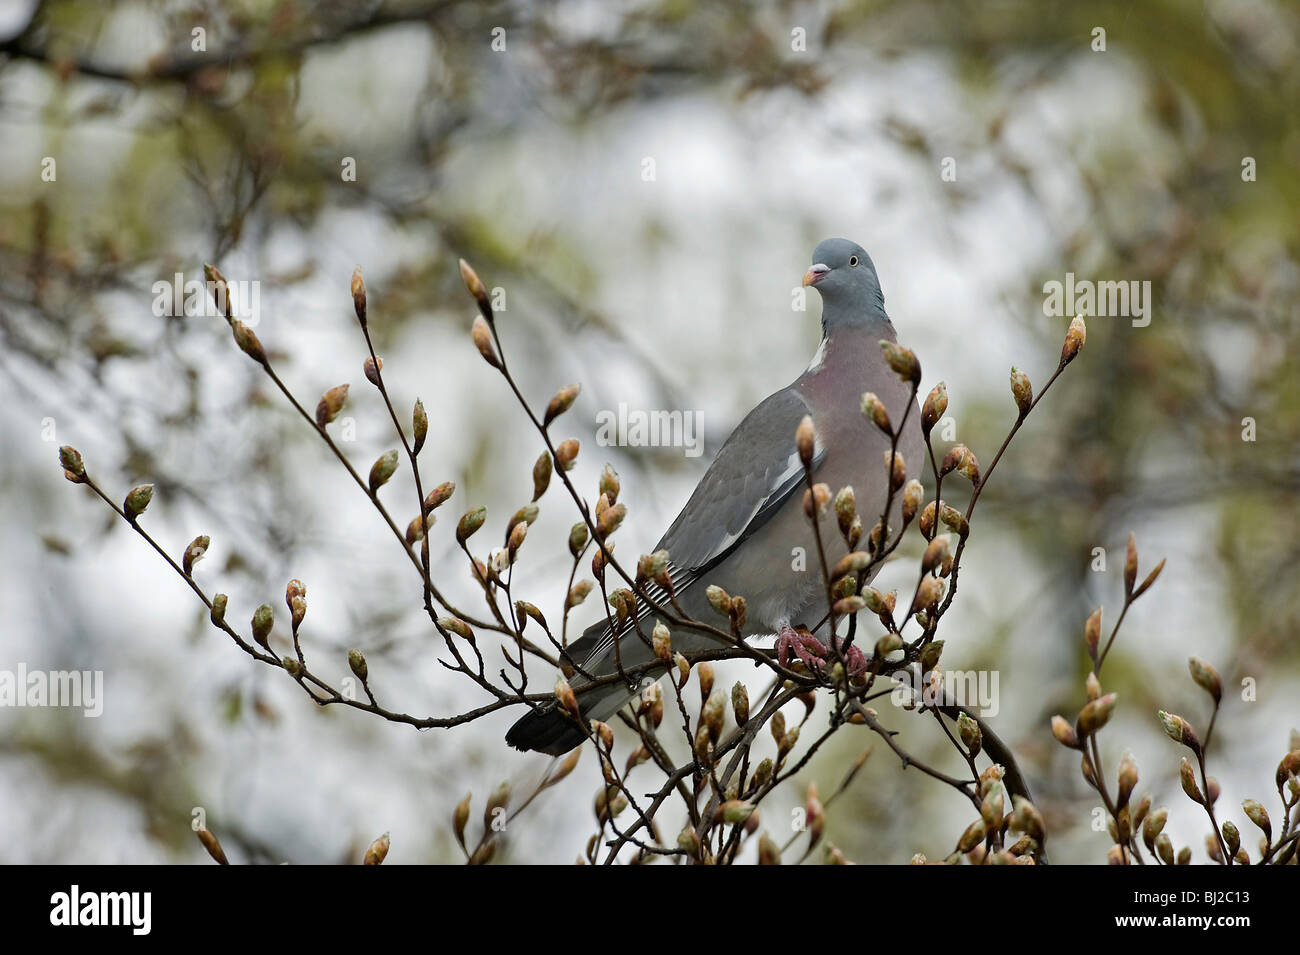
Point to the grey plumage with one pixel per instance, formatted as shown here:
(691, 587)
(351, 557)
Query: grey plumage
(743, 527)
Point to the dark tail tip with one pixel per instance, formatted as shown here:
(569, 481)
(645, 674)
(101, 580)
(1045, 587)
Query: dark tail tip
(546, 730)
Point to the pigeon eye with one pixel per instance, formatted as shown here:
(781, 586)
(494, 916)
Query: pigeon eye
(853, 261)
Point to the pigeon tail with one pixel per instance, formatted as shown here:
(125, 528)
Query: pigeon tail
(547, 729)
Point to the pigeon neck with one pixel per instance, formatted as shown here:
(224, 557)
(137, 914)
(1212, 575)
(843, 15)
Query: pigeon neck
(849, 343)
(837, 317)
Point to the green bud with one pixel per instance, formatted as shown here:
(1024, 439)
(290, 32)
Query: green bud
(469, 523)
(420, 422)
(137, 499)
(357, 662)
(263, 620)
(383, 468)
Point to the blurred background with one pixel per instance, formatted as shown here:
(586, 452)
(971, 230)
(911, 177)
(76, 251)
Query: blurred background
(645, 181)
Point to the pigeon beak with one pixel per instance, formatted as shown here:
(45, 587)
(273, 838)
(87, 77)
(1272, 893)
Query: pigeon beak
(816, 274)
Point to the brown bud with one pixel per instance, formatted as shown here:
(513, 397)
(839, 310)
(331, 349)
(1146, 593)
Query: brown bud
(1128, 778)
(847, 606)
(902, 361)
(609, 485)
(816, 500)
(934, 554)
(972, 837)
(927, 520)
(456, 626)
(577, 538)
(1257, 814)
(1206, 677)
(566, 454)
(359, 295)
(1150, 579)
(74, 469)
(213, 847)
(561, 402)
(1026, 818)
(805, 439)
(415, 529)
(1130, 565)
(568, 699)
(936, 403)
(873, 409)
(967, 464)
(845, 509)
(1092, 686)
(482, 336)
(1064, 732)
(896, 468)
(1075, 336)
(330, 404)
(476, 288)
(372, 367)
(1092, 633)
(814, 815)
(419, 425)
(1187, 776)
(954, 519)
(439, 496)
(610, 519)
(970, 733)
(661, 642)
(705, 673)
(912, 496)
(577, 594)
(460, 817)
(218, 612)
(220, 289)
(516, 540)
(853, 563)
(1022, 391)
(739, 608)
(194, 553)
(928, 594)
(1231, 837)
(1153, 825)
(247, 341)
(713, 714)
(718, 599)
(1179, 730)
(1095, 715)
(689, 842)
(1165, 848)
(740, 703)
(1287, 768)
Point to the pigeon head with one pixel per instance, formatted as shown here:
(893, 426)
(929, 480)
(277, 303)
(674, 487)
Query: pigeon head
(846, 278)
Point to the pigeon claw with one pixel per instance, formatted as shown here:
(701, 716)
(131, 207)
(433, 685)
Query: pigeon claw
(814, 653)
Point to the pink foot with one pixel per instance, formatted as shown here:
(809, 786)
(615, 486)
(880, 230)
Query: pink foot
(805, 646)
(854, 659)
(814, 653)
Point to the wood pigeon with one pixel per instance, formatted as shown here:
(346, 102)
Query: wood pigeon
(744, 527)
